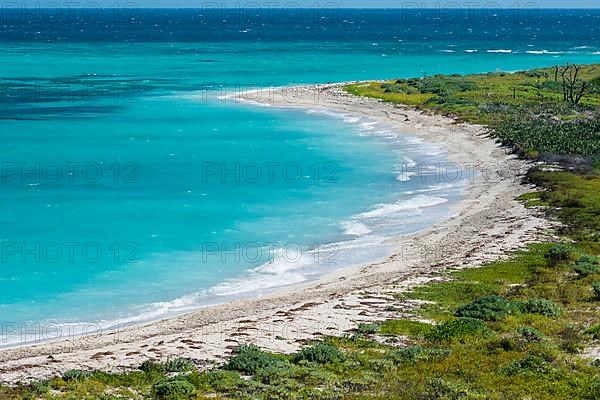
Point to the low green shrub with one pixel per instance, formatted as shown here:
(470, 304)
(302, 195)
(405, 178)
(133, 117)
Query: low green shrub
(173, 389)
(537, 127)
(408, 354)
(532, 154)
(593, 331)
(544, 307)
(436, 354)
(40, 387)
(587, 259)
(75, 375)
(458, 328)
(436, 388)
(273, 375)
(152, 366)
(180, 365)
(319, 353)
(550, 85)
(593, 390)
(219, 380)
(392, 88)
(585, 269)
(505, 343)
(559, 253)
(571, 339)
(404, 327)
(249, 359)
(530, 334)
(488, 308)
(581, 221)
(596, 289)
(412, 354)
(529, 365)
(367, 329)
(586, 265)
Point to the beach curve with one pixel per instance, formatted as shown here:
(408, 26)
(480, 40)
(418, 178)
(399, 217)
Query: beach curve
(487, 224)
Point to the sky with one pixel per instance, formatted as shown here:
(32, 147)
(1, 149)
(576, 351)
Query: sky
(352, 3)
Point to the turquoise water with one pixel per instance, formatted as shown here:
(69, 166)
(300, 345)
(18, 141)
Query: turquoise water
(132, 191)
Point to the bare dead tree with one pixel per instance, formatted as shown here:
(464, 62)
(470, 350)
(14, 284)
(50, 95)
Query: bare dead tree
(573, 87)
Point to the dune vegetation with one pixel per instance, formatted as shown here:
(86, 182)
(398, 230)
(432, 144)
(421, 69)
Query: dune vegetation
(537, 112)
(523, 328)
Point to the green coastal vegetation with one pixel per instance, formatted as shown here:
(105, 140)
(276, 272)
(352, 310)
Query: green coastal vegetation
(538, 112)
(522, 328)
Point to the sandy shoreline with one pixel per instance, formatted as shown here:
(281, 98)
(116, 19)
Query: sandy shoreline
(487, 224)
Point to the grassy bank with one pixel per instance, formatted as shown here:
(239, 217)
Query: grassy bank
(526, 110)
(512, 329)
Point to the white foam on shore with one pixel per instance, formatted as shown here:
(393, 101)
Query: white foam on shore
(284, 268)
(280, 272)
(415, 203)
(409, 162)
(288, 268)
(500, 51)
(347, 118)
(404, 169)
(368, 126)
(405, 176)
(439, 187)
(236, 97)
(353, 228)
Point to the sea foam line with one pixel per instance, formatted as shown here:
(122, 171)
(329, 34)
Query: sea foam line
(415, 203)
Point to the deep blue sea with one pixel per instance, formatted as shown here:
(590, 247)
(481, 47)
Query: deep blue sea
(132, 190)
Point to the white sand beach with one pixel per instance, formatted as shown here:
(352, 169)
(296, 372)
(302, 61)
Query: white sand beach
(487, 224)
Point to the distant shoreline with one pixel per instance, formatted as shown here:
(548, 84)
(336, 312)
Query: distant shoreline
(283, 320)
